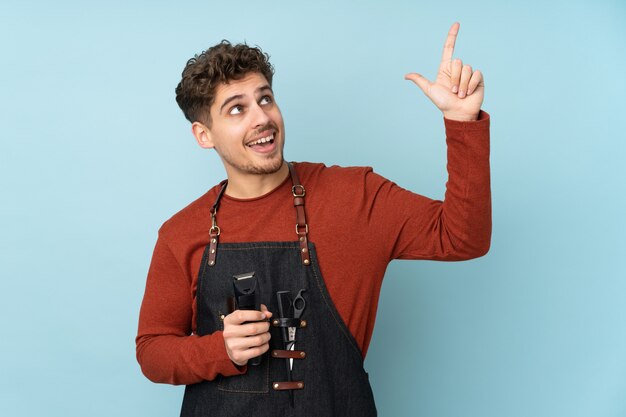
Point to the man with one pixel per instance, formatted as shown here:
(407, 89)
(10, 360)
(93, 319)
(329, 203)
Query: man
(314, 241)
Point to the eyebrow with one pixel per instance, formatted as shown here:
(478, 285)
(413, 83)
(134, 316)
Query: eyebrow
(239, 96)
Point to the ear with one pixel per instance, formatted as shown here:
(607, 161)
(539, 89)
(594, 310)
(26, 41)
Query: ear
(203, 135)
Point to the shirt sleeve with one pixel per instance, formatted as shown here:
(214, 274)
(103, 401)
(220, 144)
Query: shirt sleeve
(458, 228)
(166, 349)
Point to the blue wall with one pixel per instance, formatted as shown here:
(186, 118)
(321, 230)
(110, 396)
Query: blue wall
(95, 155)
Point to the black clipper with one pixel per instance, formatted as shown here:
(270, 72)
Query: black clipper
(247, 298)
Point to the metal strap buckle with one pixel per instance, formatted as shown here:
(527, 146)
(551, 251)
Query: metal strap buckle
(296, 188)
(306, 229)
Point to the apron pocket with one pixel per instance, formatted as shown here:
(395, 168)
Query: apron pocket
(255, 381)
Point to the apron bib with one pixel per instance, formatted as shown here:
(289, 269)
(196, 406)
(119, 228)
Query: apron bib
(328, 378)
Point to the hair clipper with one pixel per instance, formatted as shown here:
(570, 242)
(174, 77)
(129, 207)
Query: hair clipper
(246, 288)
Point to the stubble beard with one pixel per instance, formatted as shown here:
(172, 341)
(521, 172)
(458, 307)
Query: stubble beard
(267, 167)
(273, 167)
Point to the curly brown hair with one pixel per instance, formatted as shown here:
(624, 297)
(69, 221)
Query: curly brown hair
(219, 64)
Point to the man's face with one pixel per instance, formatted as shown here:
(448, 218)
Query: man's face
(247, 129)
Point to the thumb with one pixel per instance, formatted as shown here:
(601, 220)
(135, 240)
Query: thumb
(420, 81)
(265, 311)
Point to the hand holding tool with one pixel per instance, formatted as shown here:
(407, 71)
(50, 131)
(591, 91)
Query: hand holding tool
(246, 298)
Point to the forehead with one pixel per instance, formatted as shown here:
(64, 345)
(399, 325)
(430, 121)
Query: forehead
(248, 85)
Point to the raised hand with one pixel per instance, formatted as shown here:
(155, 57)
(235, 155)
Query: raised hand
(458, 90)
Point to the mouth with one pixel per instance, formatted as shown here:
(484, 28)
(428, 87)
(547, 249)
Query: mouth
(263, 144)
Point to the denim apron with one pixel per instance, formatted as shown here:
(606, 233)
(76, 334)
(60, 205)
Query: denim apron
(327, 378)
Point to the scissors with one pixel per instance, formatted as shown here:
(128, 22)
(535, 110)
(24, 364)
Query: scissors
(289, 334)
(298, 305)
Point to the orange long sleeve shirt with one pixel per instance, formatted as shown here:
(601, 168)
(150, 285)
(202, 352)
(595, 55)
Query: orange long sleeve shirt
(358, 221)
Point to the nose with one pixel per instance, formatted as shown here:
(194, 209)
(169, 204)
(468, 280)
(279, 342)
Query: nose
(259, 116)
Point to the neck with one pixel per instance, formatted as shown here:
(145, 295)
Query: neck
(243, 185)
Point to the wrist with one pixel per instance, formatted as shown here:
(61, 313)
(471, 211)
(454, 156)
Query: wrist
(461, 117)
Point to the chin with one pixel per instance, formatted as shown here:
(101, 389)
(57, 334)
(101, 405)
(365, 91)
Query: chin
(267, 168)
(271, 168)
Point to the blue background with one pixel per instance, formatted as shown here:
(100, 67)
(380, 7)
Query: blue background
(95, 155)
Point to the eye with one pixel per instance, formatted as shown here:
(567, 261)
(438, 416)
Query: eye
(236, 109)
(266, 100)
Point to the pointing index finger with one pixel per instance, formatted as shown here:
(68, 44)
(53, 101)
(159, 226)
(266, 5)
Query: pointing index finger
(448, 47)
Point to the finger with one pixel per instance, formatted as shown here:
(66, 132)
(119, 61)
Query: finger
(242, 350)
(241, 357)
(251, 329)
(475, 81)
(420, 81)
(265, 311)
(455, 74)
(466, 74)
(253, 352)
(244, 343)
(232, 331)
(259, 340)
(240, 316)
(448, 46)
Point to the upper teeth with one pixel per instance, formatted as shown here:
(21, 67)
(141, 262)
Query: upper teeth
(262, 140)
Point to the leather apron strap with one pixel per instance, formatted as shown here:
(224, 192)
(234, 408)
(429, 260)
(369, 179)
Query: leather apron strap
(302, 228)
